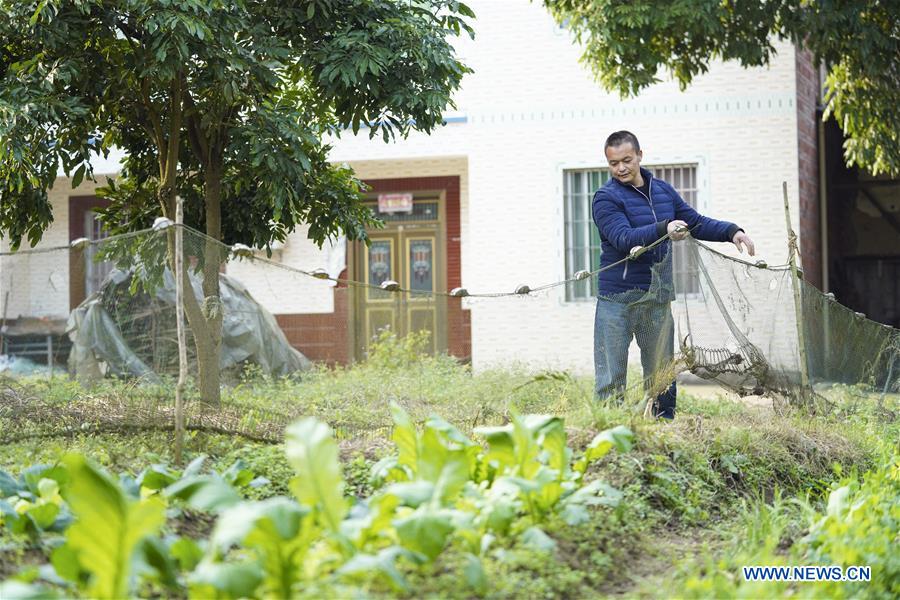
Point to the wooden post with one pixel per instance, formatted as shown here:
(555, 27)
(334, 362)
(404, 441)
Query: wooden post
(3, 320)
(49, 356)
(798, 306)
(179, 324)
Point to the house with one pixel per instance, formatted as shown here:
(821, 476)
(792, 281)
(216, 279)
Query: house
(500, 197)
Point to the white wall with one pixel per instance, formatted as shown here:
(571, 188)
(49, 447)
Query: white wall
(38, 282)
(284, 290)
(532, 110)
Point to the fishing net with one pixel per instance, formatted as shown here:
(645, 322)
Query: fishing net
(105, 308)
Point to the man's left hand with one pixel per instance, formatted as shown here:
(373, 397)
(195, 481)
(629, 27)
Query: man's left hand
(742, 239)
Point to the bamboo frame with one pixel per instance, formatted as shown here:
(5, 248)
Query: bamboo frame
(179, 324)
(798, 306)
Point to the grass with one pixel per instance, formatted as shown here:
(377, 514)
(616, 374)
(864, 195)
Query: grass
(721, 480)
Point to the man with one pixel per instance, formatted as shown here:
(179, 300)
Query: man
(632, 210)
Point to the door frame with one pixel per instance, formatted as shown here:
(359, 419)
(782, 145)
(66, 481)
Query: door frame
(356, 264)
(78, 207)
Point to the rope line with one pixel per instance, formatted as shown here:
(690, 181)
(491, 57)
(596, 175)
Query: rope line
(241, 251)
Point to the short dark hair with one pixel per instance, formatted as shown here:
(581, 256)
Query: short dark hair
(622, 137)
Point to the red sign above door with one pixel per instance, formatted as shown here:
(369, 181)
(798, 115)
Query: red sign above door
(394, 203)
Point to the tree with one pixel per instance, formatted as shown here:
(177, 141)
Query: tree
(627, 43)
(224, 102)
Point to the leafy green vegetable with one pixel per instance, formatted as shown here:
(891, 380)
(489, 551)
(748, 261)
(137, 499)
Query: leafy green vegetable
(382, 565)
(619, 437)
(313, 453)
(425, 532)
(108, 528)
(204, 492)
(225, 580)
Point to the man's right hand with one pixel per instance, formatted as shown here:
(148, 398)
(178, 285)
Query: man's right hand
(678, 230)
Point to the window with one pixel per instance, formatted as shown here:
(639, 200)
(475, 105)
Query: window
(95, 271)
(583, 240)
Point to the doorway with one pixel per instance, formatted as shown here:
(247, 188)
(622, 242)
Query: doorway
(86, 273)
(863, 234)
(410, 250)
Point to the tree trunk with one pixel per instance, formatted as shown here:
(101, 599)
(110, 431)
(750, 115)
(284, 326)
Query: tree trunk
(209, 374)
(209, 345)
(205, 320)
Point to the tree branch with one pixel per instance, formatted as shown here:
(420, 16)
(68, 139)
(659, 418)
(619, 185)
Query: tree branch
(168, 187)
(195, 135)
(156, 125)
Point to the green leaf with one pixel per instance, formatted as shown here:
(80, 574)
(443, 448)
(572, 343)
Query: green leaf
(108, 527)
(475, 575)
(575, 514)
(156, 559)
(187, 552)
(8, 485)
(449, 431)
(447, 469)
(526, 486)
(156, 477)
(596, 493)
(238, 474)
(48, 488)
(37, 13)
(7, 510)
(501, 446)
(230, 580)
(412, 493)
(204, 492)
(838, 501)
(65, 561)
(238, 522)
(11, 519)
(43, 515)
(425, 532)
(620, 437)
(386, 469)
(500, 514)
(272, 530)
(313, 453)
(552, 440)
(78, 177)
(405, 438)
(535, 538)
(194, 467)
(514, 448)
(33, 475)
(382, 564)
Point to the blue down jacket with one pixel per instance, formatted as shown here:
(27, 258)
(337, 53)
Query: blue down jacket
(627, 218)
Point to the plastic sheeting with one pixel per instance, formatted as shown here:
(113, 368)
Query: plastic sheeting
(249, 332)
(19, 366)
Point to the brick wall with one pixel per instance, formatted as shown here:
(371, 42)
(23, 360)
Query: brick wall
(808, 95)
(322, 337)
